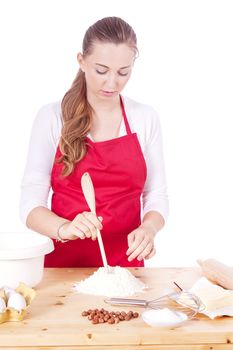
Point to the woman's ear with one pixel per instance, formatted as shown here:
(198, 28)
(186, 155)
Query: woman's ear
(80, 61)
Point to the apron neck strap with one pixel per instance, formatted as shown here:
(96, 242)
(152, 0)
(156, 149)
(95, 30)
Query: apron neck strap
(128, 130)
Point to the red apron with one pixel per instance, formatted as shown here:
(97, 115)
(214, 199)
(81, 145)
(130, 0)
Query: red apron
(118, 171)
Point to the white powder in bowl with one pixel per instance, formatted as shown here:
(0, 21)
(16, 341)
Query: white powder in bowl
(163, 317)
(118, 283)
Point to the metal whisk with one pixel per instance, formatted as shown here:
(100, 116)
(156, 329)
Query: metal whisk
(183, 301)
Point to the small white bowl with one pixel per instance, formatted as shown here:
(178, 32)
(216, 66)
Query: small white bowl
(22, 258)
(164, 318)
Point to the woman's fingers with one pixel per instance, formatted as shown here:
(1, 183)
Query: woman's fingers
(74, 232)
(70, 232)
(85, 228)
(145, 252)
(152, 253)
(134, 241)
(141, 251)
(87, 223)
(130, 238)
(141, 245)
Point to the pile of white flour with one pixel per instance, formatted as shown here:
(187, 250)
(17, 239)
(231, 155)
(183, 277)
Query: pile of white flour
(118, 283)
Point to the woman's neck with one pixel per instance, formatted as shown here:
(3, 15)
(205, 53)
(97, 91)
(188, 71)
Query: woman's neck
(104, 107)
(106, 119)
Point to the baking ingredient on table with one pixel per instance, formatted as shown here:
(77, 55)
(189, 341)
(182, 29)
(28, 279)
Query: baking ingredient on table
(2, 305)
(111, 317)
(118, 282)
(164, 317)
(217, 272)
(16, 301)
(217, 300)
(8, 291)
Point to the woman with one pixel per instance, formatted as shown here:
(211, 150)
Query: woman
(113, 138)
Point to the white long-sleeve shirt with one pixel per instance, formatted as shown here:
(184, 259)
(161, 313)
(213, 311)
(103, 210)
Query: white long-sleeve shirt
(45, 136)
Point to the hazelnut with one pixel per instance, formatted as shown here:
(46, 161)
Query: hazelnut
(111, 317)
(111, 320)
(95, 321)
(128, 317)
(106, 317)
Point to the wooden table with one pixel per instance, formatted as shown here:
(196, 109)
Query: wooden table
(54, 318)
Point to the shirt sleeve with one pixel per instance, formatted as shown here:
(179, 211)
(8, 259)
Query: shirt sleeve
(154, 196)
(35, 184)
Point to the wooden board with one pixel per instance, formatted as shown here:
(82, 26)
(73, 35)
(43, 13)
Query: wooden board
(54, 319)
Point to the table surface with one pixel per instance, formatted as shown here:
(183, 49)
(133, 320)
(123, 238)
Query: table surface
(54, 320)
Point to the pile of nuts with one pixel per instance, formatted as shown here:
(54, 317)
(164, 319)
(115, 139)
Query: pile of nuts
(101, 316)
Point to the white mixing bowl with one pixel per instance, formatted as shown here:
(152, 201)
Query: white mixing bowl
(22, 258)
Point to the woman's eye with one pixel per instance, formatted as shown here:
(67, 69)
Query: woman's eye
(123, 74)
(100, 72)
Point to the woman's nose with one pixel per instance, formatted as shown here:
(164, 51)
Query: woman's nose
(112, 80)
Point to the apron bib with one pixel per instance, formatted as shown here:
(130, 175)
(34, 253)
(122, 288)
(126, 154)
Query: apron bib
(118, 172)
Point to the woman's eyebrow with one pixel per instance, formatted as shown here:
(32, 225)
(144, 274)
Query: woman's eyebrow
(102, 65)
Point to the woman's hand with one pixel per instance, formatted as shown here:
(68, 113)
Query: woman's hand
(83, 226)
(141, 243)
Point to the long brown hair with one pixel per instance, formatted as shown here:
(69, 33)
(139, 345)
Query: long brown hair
(76, 111)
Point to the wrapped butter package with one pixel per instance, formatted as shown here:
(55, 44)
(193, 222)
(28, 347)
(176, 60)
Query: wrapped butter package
(217, 300)
(14, 303)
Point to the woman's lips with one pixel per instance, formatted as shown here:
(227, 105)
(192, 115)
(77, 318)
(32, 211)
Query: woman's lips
(108, 93)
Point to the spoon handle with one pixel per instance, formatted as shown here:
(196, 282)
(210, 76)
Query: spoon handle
(89, 194)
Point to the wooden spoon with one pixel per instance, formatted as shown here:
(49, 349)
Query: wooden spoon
(89, 194)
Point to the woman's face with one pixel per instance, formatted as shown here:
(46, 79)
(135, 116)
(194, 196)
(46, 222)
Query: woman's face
(107, 69)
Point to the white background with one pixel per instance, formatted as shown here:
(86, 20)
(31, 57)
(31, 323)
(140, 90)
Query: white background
(184, 71)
